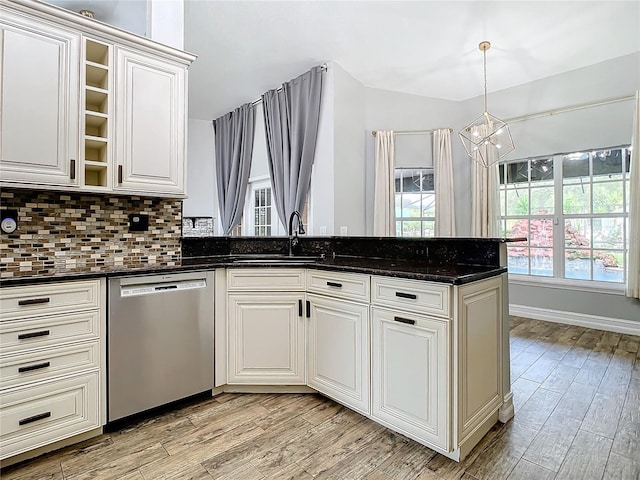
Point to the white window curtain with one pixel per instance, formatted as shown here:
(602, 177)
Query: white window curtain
(633, 272)
(445, 219)
(486, 209)
(384, 200)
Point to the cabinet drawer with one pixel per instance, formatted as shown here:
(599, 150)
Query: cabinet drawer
(420, 297)
(266, 279)
(36, 416)
(43, 364)
(351, 286)
(36, 300)
(21, 335)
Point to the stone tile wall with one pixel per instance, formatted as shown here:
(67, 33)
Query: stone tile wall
(60, 231)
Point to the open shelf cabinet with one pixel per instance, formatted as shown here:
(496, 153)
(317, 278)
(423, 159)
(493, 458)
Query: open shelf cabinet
(98, 95)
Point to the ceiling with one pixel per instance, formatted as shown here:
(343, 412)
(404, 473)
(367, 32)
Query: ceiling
(427, 48)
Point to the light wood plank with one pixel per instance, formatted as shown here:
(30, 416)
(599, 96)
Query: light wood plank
(587, 457)
(552, 443)
(528, 471)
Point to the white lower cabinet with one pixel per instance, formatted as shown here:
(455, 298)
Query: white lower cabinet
(410, 380)
(338, 350)
(266, 339)
(51, 360)
(45, 413)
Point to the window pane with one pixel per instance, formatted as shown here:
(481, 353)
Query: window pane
(608, 266)
(541, 232)
(517, 202)
(608, 198)
(398, 229)
(268, 196)
(542, 171)
(501, 173)
(427, 182)
(608, 233)
(398, 206)
(542, 201)
(574, 166)
(577, 232)
(411, 181)
(607, 164)
(577, 264)
(517, 172)
(518, 228)
(542, 262)
(411, 205)
(428, 228)
(517, 259)
(576, 198)
(411, 229)
(429, 205)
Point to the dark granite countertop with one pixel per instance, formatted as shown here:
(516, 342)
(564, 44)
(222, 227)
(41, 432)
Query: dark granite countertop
(411, 269)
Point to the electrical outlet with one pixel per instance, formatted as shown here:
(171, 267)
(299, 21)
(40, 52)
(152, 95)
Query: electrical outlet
(343, 230)
(323, 230)
(138, 222)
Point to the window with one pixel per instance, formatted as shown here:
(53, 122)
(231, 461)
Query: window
(573, 209)
(262, 212)
(415, 202)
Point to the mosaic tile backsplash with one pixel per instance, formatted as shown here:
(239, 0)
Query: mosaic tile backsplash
(59, 231)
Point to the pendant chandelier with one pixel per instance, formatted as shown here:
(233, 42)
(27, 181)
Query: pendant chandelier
(487, 139)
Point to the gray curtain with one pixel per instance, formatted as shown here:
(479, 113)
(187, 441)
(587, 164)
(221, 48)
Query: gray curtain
(291, 119)
(234, 147)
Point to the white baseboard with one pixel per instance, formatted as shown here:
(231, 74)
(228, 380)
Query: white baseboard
(580, 319)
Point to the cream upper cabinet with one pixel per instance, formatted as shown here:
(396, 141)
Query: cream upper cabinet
(39, 96)
(150, 118)
(89, 107)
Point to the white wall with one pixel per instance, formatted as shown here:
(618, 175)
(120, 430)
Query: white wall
(348, 153)
(201, 182)
(321, 214)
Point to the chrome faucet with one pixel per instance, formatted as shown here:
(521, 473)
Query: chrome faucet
(293, 236)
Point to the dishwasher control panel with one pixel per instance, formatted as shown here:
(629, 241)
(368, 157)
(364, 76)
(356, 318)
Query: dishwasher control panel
(149, 289)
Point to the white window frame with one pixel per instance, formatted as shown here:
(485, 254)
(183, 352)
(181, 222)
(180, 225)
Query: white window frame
(558, 279)
(421, 219)
(248, 222)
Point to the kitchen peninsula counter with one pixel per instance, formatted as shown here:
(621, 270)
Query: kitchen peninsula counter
(465, 260)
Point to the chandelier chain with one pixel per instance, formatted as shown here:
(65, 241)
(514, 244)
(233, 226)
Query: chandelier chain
(484, 54)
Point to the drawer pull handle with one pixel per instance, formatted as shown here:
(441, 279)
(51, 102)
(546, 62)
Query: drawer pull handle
(35, 418)
(41, 333)
(37, 366)
(406, 295)
(299, 308)
(72, 169)
(334, 284)
(33, 301)
(119, 173)
(408, 321)
(308, 309)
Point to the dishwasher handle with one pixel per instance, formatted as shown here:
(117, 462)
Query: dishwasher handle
(165, 287)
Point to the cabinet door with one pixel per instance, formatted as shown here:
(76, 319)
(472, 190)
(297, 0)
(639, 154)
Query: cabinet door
(266, 339)
(150, 124)
(39, 102)
(410, 375)
(338, 351)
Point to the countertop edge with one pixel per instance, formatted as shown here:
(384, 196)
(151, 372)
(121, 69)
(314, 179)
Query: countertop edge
(210, 264)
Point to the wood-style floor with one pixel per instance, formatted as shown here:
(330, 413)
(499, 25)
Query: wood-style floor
(577, 400)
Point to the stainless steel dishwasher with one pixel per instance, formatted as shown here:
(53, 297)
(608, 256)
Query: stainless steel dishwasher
(160, 340)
